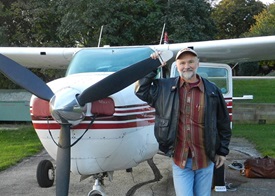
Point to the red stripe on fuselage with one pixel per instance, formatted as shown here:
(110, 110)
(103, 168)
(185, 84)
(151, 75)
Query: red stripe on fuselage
(50, 126)
(229, 104)
(144, 117)
(134, 109)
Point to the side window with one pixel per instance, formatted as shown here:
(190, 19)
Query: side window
(160, 73)
(217, 74)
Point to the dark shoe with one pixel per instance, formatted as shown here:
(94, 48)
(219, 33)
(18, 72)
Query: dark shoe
(236, 165)
(230, 187)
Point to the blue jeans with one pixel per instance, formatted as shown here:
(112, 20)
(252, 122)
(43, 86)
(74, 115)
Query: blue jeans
(188, 182)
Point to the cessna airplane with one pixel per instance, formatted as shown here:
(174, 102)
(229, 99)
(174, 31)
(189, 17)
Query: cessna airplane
(90, 121)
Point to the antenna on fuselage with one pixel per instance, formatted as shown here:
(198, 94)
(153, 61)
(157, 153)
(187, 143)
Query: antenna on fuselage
(99, 39)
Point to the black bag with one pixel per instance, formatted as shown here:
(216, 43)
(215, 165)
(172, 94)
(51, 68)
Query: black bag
(260, 167)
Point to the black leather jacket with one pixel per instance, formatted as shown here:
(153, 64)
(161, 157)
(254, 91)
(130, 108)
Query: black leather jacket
(163, 95)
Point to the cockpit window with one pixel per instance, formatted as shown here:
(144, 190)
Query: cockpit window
(107, 59)
(219, 76)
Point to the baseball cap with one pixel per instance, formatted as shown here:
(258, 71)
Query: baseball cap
(185, 50)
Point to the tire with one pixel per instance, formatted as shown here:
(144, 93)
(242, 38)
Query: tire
(94, 193)
(45, 174)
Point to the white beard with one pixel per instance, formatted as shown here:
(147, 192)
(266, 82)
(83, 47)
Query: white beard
(187, 75)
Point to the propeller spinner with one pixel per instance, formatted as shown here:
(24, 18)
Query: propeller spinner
(67, 106)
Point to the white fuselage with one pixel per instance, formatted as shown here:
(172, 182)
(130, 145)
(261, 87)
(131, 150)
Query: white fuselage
(115, 142)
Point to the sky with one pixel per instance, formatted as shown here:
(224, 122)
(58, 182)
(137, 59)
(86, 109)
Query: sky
(267, 1)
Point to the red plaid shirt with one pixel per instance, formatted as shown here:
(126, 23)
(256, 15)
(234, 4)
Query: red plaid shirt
(190, 139)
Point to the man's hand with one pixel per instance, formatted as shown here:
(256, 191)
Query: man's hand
(219, 160)
(156, 55)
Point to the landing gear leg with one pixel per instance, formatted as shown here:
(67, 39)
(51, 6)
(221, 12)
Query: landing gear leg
(98, 189)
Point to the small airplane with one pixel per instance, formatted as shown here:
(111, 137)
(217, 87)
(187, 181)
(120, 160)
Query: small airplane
(90, 121)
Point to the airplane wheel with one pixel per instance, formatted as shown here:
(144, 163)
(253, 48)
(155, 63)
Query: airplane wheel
(45, 174)
(94, 193)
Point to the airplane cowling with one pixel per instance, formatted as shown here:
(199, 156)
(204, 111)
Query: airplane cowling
(65, 108)
(40, 108)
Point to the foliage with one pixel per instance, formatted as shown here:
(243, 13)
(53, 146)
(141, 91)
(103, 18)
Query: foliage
(234, 17)
(31, 23)
(248, 69)
(265, 23)
(77, 23)
(264, 26)
(190, 20)
(125, 22)
(135, 22)
(46, 75)
(272, 73)
(70, 23)
(3, 37)
(15, 145)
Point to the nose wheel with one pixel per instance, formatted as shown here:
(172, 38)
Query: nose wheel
(45, 174)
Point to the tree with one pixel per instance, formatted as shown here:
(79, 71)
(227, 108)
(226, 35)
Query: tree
(265, 23)
(70, 23)
(264, 26)
(4, 22)
(30, 23)
(234, 17)
(34, 23)
(190, 20)
(125, 22)
(136, 22)
(248, 69)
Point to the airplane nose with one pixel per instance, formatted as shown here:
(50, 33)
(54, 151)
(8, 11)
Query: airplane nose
(65, 108)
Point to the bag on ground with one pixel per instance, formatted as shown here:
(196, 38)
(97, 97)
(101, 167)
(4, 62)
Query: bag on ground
(260, 167)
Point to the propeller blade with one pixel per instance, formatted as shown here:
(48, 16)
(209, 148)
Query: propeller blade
(25, 78)
(63, 161)
(121, 79)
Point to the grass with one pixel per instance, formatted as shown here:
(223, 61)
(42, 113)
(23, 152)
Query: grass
(262, 136)
(16, 145)
(261, 89)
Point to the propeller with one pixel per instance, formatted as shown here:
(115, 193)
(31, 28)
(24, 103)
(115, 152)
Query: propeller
(32, 83)
(102, 89)
(121, 79)
(25, 78)
(117, 81)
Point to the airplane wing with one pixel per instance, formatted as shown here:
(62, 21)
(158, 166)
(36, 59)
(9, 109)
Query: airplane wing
(219, 51)
(232, 50)
(40, 57)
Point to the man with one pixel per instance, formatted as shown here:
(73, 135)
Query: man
(191, 123)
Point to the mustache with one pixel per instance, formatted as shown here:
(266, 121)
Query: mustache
(186, 70)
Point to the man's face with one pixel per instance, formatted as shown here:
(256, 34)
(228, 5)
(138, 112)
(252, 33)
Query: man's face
(187, 65)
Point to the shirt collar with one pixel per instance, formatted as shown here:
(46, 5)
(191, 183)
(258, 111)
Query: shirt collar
(199, 85)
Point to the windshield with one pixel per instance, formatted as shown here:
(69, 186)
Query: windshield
(107, 59)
